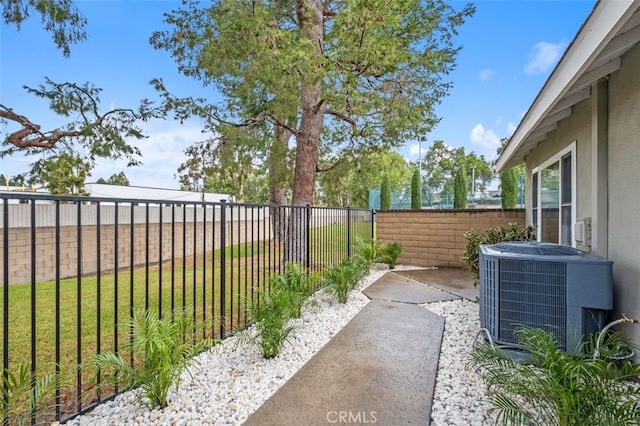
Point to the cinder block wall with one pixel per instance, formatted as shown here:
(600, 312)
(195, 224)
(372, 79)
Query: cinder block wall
(159, 245)
(436, 237)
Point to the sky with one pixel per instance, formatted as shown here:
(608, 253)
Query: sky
(509, 48)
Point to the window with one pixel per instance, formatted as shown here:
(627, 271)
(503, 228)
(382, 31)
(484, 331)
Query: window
(553, 204)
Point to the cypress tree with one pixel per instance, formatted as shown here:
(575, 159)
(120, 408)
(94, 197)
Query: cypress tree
(460, 189)
(385, 193)
(416, 190)
(509, 183)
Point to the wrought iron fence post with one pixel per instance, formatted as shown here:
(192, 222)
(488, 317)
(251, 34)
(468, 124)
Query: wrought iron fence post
(308, 232)
(223, 256)
(349, 232)
(5, 312)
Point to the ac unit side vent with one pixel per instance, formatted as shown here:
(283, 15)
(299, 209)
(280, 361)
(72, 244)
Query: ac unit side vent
(489, 295)
(532, 294)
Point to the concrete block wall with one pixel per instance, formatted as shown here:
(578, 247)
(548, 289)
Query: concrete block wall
(195, 240)
(436, 237)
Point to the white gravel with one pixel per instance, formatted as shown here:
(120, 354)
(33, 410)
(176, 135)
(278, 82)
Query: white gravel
(230, 381)
(459, 394)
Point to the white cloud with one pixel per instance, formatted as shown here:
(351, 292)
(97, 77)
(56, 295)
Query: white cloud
(162, 154)
(543, 57)
(486, 140)
(486, 74)
(511, 127)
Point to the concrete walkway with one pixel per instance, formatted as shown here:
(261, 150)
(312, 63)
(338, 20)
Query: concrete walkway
(381, 367)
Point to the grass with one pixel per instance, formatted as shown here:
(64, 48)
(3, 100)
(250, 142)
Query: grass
(109, 300)
(130, 291)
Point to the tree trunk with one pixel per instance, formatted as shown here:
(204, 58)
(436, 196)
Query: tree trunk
(277, 179)
(310, 21)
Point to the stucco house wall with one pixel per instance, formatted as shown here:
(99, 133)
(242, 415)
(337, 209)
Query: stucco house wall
(622, 225)
(624, 187)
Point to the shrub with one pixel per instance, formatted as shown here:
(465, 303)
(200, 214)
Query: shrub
(271, 327)
(298, 284)
(367, 249)
(460, 190)
(343, 278)
(389, 253)
(554, 388)
(513, 232)
(162, 352)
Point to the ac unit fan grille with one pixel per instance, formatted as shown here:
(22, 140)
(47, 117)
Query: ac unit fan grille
(532, 294)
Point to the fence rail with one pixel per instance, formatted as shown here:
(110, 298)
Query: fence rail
(75, 269)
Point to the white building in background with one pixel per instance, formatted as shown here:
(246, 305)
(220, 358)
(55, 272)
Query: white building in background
(142, 193)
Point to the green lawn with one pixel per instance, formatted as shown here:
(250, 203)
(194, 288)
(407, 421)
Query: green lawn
(194, 281)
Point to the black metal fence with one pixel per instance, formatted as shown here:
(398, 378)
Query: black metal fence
(75, 269)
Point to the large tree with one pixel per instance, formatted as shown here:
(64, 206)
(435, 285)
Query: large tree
(63, 174)
(441, 162)
(95, 132)
(92, 134)
(346, 181)
(115, 179)
(348, 73)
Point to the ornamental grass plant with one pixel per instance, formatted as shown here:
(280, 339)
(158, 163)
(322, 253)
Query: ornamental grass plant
(24, 397)
(270, 315)
(553, 388)
(162, 350)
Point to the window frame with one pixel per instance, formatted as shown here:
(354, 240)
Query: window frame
(537, 209)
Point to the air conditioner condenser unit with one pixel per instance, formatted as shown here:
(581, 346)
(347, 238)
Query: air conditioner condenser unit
(543, 285)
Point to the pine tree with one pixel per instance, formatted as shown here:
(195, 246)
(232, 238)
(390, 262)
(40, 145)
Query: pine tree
(460, 189)
(509, 184)
(416, 190)
(385, 193)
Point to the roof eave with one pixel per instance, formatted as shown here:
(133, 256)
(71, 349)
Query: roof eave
(601, 26)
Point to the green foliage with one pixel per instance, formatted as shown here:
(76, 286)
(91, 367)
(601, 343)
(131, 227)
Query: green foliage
(553, 388)
(61, 18)
(385, 193)
(64, 174)
(115, 179)
(162, 352)
(343, 278)
(346, 180)
(441, 162)
(92, 134)
(21, 398)
(366, 248)
(226, 164)
(389, 253)
(270, 315)
(460, 189)
(373, 75)
(513, 232)
(416, 190)
(273, 309)
(298, 284)
(509, 185)
(370, 251)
